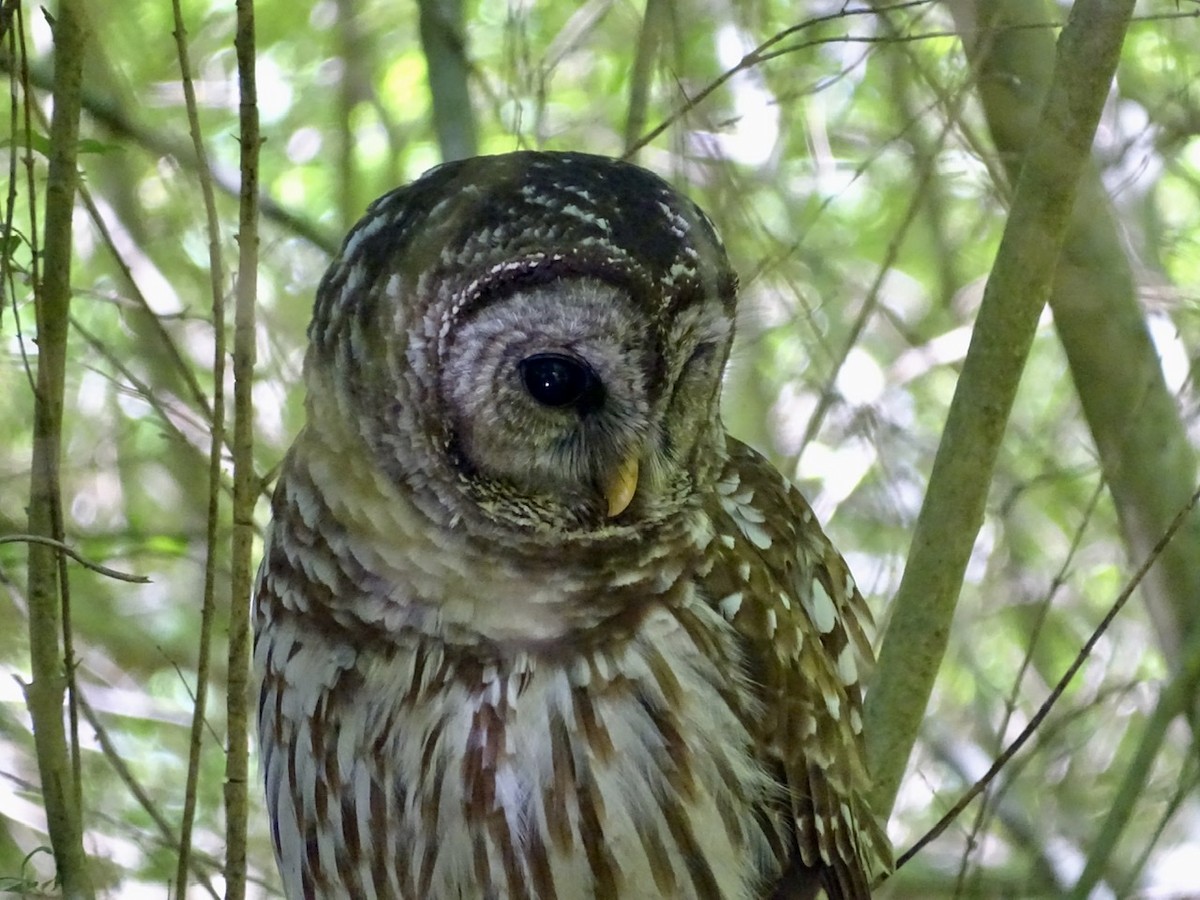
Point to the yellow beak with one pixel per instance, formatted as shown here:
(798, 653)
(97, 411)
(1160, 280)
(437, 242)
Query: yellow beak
(621, 486)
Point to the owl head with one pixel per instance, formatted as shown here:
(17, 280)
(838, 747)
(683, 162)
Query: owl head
(533, 340)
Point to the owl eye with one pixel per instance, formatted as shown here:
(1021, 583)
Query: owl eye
(554, 379)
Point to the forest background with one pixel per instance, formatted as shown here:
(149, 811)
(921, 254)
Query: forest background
(861, 161)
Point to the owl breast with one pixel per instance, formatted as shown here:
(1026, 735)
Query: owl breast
(403, 760)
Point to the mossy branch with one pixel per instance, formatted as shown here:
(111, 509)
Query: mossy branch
(1020, 283)
(45, 693)
(245, 483)
(1149, 464)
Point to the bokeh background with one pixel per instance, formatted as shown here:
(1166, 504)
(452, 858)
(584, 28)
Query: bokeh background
(858, 160)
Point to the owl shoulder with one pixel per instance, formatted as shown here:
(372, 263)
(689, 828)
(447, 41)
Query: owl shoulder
(773, 563)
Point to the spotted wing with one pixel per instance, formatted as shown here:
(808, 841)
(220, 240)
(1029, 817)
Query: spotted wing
(789, 595)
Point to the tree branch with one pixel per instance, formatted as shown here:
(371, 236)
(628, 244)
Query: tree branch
(45, 693)
(1148, 462)
(216, 444)
(245, 484)
(443, 42)
(1016, 292)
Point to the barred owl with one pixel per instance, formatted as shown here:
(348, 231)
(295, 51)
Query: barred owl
(529, 623)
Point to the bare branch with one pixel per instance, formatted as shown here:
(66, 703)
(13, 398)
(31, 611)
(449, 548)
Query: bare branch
(75, 555)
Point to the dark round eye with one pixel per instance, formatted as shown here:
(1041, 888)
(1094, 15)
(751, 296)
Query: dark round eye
(555, 379)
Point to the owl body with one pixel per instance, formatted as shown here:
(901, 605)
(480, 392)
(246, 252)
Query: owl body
(528, 624)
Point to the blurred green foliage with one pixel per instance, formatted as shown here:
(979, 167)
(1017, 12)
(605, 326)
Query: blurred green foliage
(809, 164)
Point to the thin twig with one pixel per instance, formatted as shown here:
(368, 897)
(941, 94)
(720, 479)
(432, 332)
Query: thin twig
(756, 57)
(216, 444)
(75, 555)
(105, 110)
(26, 154)
(1044, 710)
(135, 788)
(1014, 694)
